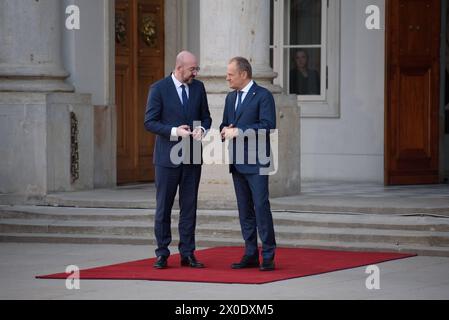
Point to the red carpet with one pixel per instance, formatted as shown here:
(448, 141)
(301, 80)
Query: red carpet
(290, 263)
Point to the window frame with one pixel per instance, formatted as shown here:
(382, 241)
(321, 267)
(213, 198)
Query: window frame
(326, 105)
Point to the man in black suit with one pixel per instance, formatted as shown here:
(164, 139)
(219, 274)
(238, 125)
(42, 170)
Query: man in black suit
(248, 117)
(178, 113)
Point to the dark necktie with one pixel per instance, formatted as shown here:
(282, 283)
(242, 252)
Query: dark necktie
(239, 102)
(185, 100)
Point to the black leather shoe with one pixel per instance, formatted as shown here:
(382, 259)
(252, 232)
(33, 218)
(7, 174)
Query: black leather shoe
(191, 261)
(246, 262)
(267, 265)
(161, 262)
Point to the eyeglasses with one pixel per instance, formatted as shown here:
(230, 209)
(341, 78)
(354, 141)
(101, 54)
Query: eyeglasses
(197, 69)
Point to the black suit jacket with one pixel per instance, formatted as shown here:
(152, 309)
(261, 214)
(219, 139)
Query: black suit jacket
(256, 114)
(164, 111)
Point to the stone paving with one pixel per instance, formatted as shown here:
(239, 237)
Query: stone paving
(412, 278)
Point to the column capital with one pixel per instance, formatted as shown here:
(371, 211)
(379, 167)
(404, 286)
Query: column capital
(215, 80)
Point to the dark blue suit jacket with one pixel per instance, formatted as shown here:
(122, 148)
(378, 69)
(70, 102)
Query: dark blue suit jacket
(165, 111)
(256, 112)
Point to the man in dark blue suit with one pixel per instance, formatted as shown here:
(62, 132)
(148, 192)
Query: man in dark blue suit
(248, 117)
(178, 113)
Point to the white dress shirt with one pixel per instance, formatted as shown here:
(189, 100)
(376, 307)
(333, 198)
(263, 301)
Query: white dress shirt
(178, 85)
(245, 92)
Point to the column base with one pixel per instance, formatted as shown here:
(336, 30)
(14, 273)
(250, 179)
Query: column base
(36, 142)
(287, 179)
(34, 85)
(30, 78)
(215, 79)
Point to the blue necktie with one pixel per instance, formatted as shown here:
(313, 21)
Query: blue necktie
(239, 102)
(185, 100)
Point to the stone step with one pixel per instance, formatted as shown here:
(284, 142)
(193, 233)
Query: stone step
(307, 204)
(217, 242)
(422, 234)
(281, 218)
(148, 202)
(227, 230)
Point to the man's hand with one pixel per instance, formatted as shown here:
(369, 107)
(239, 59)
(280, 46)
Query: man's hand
(197, 134)
(183, 131)
(229, 133)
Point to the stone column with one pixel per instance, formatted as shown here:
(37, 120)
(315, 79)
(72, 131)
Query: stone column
(36, 106)
(30, 50)
(230, 28)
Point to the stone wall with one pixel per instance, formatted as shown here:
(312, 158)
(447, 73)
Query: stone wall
(36, 142)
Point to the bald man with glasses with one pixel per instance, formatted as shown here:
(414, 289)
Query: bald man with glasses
(175, 106)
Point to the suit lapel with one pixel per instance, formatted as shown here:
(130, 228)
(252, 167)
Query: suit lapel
(248, 98)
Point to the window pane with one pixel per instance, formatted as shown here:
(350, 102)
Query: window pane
(304, 71)
(305, 22)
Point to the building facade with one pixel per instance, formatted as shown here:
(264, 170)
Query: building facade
(359, 86)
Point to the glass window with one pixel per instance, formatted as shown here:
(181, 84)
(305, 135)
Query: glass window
(305, 71)
(305, 22)
(305, 52)
(298, 48)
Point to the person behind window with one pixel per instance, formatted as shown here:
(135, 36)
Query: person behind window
(304, 81)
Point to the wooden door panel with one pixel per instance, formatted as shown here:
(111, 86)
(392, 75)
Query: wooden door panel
(126, 137)
(151, 22)
(146, 145)
(412, 92)
(123, 32)
(415, 35)
(150, 53)
(122, 78)
(139, 63)
(414, 110)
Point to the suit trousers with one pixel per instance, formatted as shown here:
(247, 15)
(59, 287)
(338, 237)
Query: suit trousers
(187, 177)
(255, 213)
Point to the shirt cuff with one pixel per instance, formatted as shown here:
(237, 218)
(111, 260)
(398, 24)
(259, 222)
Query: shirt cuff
(173, 132)
(203, 129)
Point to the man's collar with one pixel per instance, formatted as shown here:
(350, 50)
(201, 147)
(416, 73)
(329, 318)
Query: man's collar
(248, 86)
(176, 81)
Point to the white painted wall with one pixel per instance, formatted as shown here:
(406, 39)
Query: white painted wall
(351, 148)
